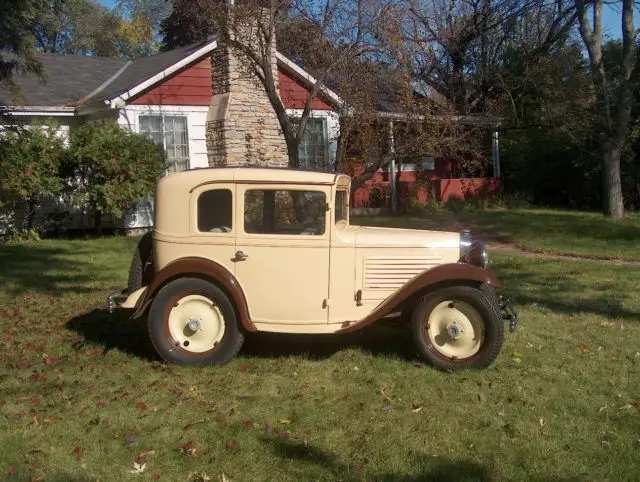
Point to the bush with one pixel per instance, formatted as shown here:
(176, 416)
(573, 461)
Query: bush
(112, 169)
(29, 172)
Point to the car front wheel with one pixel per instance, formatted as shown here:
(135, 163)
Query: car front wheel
(192, 322)
(457, 327)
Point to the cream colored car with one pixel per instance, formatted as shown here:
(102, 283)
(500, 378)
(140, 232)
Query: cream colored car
(240, 250)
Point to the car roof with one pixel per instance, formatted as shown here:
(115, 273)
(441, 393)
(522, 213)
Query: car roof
(195, 177)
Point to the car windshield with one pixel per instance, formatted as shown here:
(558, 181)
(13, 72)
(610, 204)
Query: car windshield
(342, 206)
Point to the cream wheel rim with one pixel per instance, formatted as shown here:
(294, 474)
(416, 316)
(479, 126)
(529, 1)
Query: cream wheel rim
(196, 324)
(455, 329)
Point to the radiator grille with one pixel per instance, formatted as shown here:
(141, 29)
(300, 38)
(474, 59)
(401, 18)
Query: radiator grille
(391, 272)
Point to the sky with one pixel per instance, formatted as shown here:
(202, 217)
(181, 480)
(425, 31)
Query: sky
(611, 18)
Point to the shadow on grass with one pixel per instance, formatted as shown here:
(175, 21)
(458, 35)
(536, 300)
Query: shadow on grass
(440, 469)
(54, 267)
(569, 287)
(117, 331)
(433, 469)
(114, 331)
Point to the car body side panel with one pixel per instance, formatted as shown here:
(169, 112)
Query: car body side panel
(450, 273)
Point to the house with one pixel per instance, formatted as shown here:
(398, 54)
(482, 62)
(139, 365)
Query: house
(195, 101)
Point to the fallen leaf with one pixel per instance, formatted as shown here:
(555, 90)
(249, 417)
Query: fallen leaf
(188, 449)
(636, 442)
(415, 408)
(193, 389)
(243, 368)
(230, 444)
(101, 404)
(285, 421)
(77, 452)
(603, 408)
(36, 478)
(247, 424)
(35, 420)
(584, 348)
(155, 476)
(138, 468)
(141, 406)
(604, 443)
(542, 421)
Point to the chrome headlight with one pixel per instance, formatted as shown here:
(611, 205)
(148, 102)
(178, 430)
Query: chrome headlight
(471, 252)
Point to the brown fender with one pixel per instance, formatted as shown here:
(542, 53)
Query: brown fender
(453, 273)
(201, 268)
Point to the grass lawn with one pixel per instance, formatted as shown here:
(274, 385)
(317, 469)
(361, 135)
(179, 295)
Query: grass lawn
(552, 231)
(82, 397)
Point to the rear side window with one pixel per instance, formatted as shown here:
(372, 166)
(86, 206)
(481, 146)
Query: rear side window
(270, 211)
(215, 211)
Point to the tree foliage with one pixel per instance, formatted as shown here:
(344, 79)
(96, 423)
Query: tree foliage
(113, 168)
(189, 22)
(30, 168)
(17, 20)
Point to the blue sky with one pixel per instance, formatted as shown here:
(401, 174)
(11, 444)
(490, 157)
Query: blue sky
(611, 18)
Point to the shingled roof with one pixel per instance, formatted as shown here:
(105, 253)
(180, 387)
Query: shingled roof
(73, 80)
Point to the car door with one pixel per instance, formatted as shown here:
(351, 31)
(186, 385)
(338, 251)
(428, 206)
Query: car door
(282, 258)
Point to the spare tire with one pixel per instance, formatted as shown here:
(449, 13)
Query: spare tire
(141, 270)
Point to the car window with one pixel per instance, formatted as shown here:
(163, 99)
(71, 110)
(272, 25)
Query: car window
(271, 211)
(342, 206)
(215, 211)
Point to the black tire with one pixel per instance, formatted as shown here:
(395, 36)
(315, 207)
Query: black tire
(167, 298)
(485, 308)
(141, 269)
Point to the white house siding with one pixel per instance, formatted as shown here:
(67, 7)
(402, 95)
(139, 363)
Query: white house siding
(196, 124)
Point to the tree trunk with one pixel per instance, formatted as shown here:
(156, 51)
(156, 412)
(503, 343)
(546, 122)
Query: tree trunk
(611, 184)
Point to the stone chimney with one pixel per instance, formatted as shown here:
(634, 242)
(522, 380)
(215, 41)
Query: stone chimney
(242, 127)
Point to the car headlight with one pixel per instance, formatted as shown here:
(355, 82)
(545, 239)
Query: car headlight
(471, 252)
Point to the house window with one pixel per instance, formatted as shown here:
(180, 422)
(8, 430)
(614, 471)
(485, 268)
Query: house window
(269, 211)
(170, 132)
(215, 211)
(314, 148)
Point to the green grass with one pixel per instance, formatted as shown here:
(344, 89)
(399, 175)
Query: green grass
(551, 231)
(562, 400)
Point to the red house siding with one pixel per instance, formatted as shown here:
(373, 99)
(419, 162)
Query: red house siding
(192, 86)
(294, 95)
(189, 86)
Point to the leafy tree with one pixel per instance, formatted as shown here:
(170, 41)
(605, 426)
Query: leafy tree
(30, 168)
(113, 168)
(83, 27)
(17, 20)
(189, 22)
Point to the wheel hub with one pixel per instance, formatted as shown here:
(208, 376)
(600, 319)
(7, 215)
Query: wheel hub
(196, 324)
(453, 331)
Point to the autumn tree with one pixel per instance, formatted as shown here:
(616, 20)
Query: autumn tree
(334, 36)
(189, 22)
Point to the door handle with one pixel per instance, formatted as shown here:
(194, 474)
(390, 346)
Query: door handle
(240, 256)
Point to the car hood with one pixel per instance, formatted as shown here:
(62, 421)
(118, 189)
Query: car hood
(366, 236)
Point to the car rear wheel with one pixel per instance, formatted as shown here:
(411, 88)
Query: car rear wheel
(457, 327)
(192, 322)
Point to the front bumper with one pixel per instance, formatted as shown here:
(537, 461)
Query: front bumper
(115, 300)
(508, 313)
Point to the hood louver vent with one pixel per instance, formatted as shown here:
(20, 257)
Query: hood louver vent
(391, 272)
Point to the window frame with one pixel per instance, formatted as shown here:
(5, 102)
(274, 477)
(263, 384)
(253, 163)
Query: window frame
(162, 116)
(193, 211)
(325, 134)
(197, 210)
(241, 195)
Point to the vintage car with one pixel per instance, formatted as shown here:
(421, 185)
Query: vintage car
(240, 250)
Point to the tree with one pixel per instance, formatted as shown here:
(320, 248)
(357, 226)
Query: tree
(17, 18)
(83, 27)
(613, 106)
(334, 35)
(189, 22)
(111, 169)
(30, 168)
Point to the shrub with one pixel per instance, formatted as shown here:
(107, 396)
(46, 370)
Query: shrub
(112, 169)
(29, 172)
